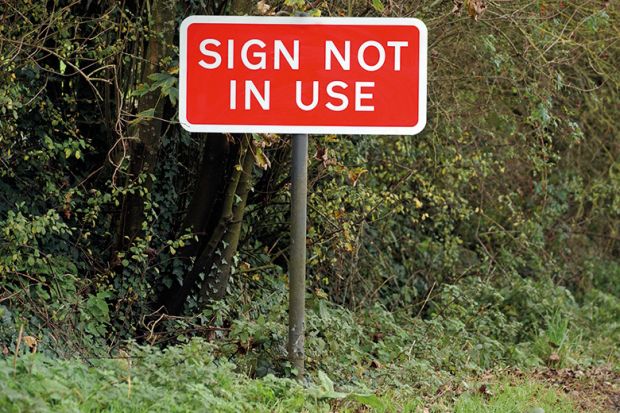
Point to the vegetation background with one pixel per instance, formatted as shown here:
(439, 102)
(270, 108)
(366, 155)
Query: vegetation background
(474, 267)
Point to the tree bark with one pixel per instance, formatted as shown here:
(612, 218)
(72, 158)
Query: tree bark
(216, 282)
(203, 211)
(144, 149)
(222, 219)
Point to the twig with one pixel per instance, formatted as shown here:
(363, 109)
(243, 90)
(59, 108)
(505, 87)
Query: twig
(427, 298)
(19, 342)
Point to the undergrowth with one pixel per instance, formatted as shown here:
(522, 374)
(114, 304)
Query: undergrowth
(386, 361)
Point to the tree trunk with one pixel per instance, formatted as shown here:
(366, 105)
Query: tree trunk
(203, 211)
(216, 282)
(144, 149)
(216, 211)
(218, 221)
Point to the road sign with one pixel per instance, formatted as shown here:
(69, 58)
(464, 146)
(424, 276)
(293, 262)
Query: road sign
(303, 75)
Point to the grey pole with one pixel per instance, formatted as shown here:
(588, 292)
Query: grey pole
(297, 263)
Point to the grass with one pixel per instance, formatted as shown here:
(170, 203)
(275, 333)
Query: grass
(516, 398)
(179, 379)
(188, 378)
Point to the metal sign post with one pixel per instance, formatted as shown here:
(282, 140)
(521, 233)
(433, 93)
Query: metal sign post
(240, 74)
(297, 264)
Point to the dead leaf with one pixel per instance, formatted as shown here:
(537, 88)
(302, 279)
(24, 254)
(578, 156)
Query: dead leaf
(262, 7)
(322, 155)
(268, 139)
(320, 293)
(354, 174)
(475, 8)
(375, 364)
(67, 206)
(484, 390)
(5, 350)
(543, 9)
(458, 4)
(31, 342)
(261, 159)
(554, 358)
(122, 354)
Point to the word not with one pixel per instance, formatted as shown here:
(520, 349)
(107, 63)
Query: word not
(254, 54)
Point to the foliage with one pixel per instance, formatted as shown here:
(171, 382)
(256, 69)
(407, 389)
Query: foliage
(140, 379)
(375, 358)
(489, 240)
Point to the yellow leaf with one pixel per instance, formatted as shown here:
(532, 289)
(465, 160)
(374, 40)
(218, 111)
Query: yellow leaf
(30, 341)
(320, 293)
(261, 159)
(262, 7)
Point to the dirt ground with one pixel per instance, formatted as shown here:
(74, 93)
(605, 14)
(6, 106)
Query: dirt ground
(593, 389)
(597, 387)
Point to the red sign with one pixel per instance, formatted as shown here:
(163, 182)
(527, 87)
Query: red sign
(303, 75)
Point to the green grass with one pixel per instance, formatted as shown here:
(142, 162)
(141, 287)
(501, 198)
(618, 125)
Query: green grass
(187, 378)
(179, 379)
(182, 378)
(516, 398)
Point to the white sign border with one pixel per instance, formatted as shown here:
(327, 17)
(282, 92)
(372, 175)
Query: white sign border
(296, 129)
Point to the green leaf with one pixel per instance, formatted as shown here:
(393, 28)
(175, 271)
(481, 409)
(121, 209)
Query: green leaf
(378, 6)
(370, 400)
(326, 382)
(173, 95)
(144, 115)
(296, 4)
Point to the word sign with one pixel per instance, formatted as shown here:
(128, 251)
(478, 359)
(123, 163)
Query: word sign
(303, 75)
